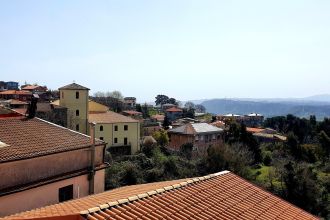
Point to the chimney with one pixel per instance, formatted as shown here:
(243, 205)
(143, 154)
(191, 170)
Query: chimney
(32, 108)
(92, 166)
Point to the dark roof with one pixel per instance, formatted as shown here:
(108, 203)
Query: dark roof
(222, 195)
(28, 138)
(74, 86)
(195, 128)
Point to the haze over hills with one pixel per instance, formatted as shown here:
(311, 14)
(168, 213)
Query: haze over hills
(318, 105)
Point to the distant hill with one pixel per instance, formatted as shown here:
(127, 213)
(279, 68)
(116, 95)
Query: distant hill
(270, 108)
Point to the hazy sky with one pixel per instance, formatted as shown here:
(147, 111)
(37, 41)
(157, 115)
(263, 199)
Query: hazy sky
(184, 49)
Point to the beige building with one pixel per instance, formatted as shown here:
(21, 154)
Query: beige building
(121, 133)
(75, 98)
(42, 164)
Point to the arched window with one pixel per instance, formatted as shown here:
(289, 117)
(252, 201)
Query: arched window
(101, 128)
(77, 95)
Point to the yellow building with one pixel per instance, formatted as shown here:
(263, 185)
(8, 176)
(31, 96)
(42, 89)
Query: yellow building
(75, 98)
(121, 133)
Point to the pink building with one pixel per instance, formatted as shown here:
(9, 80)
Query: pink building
(38, 158)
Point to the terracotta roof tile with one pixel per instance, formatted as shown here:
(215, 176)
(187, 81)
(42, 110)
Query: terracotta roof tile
(109, 117)
(29, 138)
(254, 130)
(219, 196)
(130, 112)
(111, 197)
(15, 92)
(174, 109)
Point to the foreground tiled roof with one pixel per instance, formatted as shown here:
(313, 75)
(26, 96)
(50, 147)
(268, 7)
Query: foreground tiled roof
(74, 207)
(29, 138)
(195, 128)
(74, 86)
(109, 117)
(218, 196)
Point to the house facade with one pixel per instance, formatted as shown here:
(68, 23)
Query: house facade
(121, 133)
(38, 158)
(173, 113)
(201, 135)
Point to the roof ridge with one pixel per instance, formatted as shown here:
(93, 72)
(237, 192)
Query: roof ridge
(64, 128)
(151, 193)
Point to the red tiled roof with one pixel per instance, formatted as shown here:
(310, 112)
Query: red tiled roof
(33, 87)
(158, 117)
(254, 130)
(15, 92)
(17, 102)
(109, 117)
(130, 112)
(218, 196)
(28, 138)
(74, 207)
(174, 109)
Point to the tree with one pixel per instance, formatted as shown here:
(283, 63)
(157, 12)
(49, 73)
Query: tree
(189, 105)
(148, 145)
(200, 108)
(188, 113)
(117, 95)
(145, 111)
(166, 123)
(138, 108)
(172, 101)
(161, 137)
(324, 141)
(161, 99)
(186, 150)
(301, 186)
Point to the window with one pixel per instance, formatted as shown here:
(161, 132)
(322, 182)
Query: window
(125, 141)
(125, 127)
(62, 95)
(65, 193)
(213, 136)
(115, 140)
(101, 138)
(202, 137)
(77, 127)
(77, 95)
(101, 128)
(196, 138)
(77, 112)
(116, 128)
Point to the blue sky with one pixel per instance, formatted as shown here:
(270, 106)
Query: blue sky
(184, 49)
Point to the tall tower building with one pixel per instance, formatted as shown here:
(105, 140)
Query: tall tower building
(75, 98)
